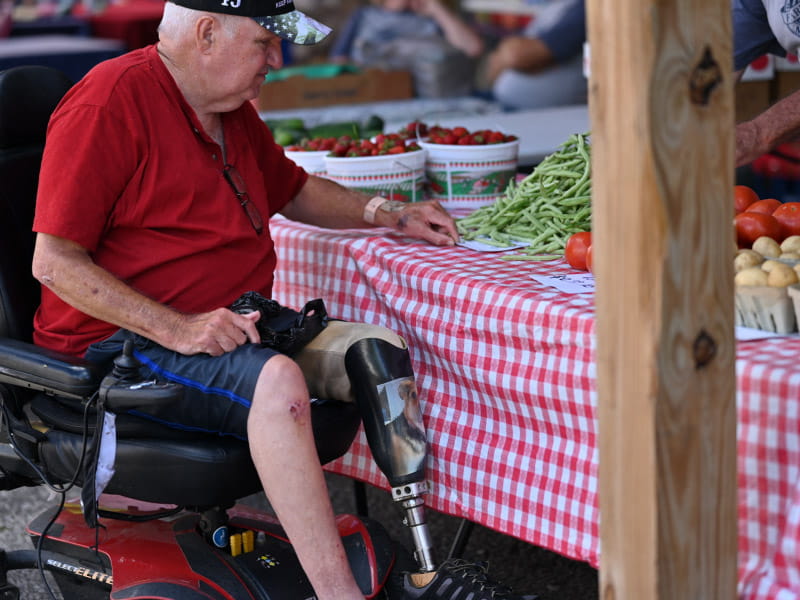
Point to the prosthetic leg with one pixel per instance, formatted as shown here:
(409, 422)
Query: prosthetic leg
(384, 388)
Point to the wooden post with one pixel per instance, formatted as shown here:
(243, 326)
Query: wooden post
(661, 106)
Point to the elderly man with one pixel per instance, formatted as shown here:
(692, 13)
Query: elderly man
(157, 185)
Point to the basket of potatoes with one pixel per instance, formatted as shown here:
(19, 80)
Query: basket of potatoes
(767, 285)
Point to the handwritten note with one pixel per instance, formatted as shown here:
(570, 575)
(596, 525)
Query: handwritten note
(578, 283)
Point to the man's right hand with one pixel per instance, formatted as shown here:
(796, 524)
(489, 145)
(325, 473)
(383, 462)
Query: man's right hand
(215, 332)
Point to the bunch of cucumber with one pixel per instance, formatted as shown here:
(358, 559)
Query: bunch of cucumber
(292, 131)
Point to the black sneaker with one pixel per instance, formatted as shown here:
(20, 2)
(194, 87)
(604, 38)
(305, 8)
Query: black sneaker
(457, 579)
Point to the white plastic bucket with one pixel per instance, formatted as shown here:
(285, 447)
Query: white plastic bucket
(313, 161)
(396, 176)
(469, 176)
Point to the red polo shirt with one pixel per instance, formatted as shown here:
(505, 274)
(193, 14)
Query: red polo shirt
(129, 175)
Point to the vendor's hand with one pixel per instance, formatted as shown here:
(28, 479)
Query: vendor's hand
(502, 58)
(214, 332)
(529, 55)
(426, 220)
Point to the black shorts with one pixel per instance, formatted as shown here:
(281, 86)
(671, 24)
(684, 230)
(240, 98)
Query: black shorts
(218, 389)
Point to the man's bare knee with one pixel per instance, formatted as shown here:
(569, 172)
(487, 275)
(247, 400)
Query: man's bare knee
(281, 389)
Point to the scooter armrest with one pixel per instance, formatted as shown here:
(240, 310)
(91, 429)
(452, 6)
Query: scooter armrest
(27, 365)
(143, 395)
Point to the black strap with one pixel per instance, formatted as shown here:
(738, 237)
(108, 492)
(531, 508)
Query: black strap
(89, 503)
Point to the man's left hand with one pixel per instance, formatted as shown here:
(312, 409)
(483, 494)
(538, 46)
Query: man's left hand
(325, 203)
(426, 220)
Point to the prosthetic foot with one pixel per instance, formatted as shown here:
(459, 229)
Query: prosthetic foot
(383, 384)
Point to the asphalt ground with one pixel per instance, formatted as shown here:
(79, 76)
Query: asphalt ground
(526, 568)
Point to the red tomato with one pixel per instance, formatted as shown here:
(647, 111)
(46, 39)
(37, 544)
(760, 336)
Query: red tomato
(743, 197)
(752, 225)
(788, 215)
(589, 260)
(766, 206)
(575, 250)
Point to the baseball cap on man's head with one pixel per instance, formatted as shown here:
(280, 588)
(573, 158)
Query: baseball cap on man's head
(278, 16)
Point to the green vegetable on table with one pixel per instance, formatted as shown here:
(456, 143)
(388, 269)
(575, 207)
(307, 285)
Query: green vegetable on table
(290, 123)
(287, 131)
(286, 136)
(291, 131)
(335, 130)
(543, 210)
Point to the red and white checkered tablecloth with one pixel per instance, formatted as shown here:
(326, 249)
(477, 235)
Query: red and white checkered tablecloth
(506, 374)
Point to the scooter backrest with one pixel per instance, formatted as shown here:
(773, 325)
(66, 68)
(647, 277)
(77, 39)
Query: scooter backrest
(28, 96)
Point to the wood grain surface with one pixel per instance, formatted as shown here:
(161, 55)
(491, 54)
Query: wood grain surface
(661, 105)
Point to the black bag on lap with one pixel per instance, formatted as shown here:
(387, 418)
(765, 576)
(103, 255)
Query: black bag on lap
(281, 328)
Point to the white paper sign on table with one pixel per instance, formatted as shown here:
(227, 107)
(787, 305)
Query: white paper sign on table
(745, 334)
(579, 283)
(479, 246)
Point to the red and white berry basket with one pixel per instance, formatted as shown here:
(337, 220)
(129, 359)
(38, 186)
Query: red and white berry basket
(395, 176)
(468, 169)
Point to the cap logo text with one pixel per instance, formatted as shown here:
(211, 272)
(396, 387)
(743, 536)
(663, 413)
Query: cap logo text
(232, 3)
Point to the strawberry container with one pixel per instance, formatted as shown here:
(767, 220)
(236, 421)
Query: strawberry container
(313, 161)
(469, 176)
(396, 176)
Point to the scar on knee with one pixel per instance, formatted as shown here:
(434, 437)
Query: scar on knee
(297, 410)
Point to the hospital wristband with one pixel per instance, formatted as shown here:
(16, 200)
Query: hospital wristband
(372, 207)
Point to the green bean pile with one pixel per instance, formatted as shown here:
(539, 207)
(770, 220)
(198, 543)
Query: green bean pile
(543, 209)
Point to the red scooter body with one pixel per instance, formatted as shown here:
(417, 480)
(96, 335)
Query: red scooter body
(170, 557)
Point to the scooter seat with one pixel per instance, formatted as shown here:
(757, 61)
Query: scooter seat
(212, 472)
(157, 464)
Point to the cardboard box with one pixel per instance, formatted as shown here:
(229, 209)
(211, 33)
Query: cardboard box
(752, 98)
(785, 83)
(370, 85)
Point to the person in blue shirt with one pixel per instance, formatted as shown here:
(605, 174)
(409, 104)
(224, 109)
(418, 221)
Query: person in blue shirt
(766, 27)
(386, 20)
(431, 41)
(544, 65)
